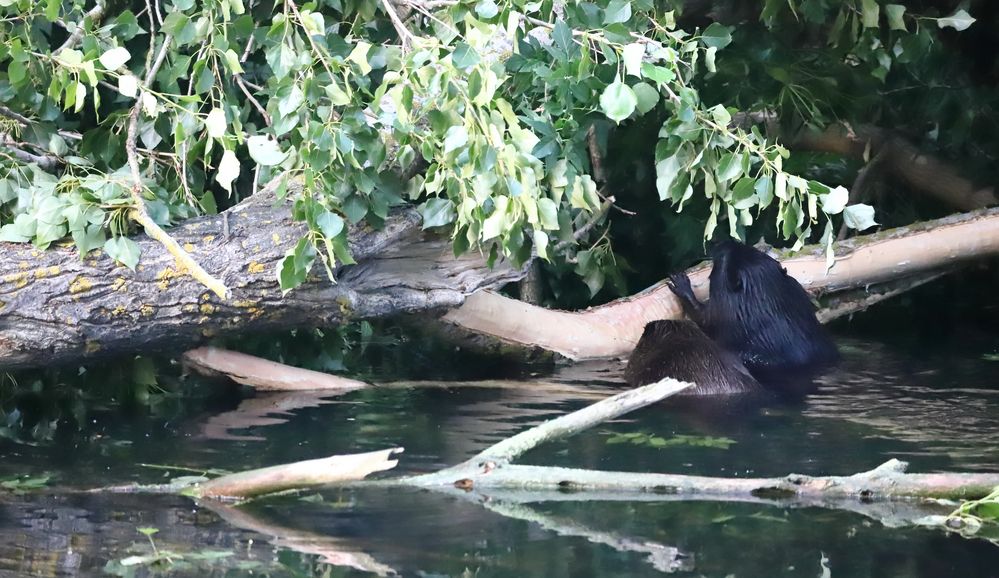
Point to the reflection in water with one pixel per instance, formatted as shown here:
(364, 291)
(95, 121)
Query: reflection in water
(877, 405)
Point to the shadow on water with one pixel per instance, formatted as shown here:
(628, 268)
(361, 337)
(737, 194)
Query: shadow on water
(878, 404)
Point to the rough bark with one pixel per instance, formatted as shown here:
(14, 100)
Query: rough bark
(921, 171)
(55, 307)
(612, 330)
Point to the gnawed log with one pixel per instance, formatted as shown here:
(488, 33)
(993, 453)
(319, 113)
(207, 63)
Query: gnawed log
(55, 307)
(264, 374)
(298, 475)
(613, 330)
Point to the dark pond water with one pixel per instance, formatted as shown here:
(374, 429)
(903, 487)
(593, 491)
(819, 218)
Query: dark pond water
(938, 412)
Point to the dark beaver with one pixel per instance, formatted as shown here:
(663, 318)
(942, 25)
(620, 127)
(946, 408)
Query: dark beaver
(679, 349)
(759, 312)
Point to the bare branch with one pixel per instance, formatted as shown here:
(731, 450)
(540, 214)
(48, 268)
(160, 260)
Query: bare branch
(405, 36)
(94, 14)
(47, 163)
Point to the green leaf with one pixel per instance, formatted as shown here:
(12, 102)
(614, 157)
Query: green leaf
(729, 167)
(870, 12)
(541, 244)
(123, 250)
(618, 101)
(215, 123)
(548, 213)
(631, 56)
(835, 201)
(859, 217)
(359, 56)
(115, 58)
(228, 170)
(717, 36)
(895, 12)
(329, 224)
(709, 59)
(486, 9)
(464, 56)
(336, 94)
(617, 11)
(265, 150)
(455, 138)
(437, 212)
(647, 95)
(16, 72)
(959, 20)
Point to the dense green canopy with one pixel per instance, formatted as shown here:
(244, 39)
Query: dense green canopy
(496, 118)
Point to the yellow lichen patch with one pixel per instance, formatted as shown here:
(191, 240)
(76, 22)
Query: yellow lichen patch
(24, 265)
(276, 238)
(207, 309)
(255, 312)
(243, 303)
(206, 296)
(256, 267)
(208, 238)
(146, 310)
(188, 247)
(18, 280)
(118, 284)
(118, 311)
(2, 305)
(80, 285)
(44, 272)
(91, 347)
(164, 276)
(189, 308)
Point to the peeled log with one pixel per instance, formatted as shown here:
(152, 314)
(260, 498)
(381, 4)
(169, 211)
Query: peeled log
(57, 308)
(612, 330)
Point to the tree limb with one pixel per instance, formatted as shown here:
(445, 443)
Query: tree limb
(613, 329)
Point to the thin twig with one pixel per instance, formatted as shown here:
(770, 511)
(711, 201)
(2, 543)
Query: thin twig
(45, 162)
(405, 36)
(22, 120)
(253, 100)
(594, 219)
(312, 43)
(139, 213)
(95, 14)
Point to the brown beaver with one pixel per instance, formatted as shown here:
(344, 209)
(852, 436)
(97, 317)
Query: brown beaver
(681, 350)
(758, 312)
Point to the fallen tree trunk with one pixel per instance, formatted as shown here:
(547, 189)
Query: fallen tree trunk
(613, 330)
(55, 307)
